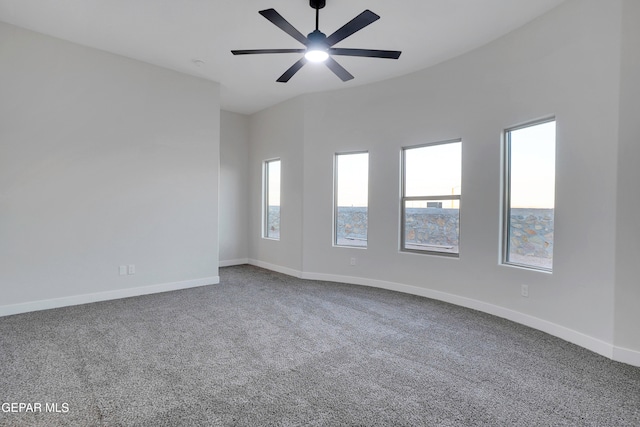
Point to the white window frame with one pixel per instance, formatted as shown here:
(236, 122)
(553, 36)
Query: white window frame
(335, 199)
(265, 198)
(506, 195)
(404, 199)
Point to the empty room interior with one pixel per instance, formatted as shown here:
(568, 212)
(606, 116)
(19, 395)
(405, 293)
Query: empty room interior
(439, 225)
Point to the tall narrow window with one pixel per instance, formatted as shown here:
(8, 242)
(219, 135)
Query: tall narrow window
(530, 170)
(431, 189)
(351, 199)
(271, 225)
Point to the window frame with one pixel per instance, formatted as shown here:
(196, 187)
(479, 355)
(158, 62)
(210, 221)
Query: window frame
(404, 199)
(265, 197)
(506, 194)
(335, 199)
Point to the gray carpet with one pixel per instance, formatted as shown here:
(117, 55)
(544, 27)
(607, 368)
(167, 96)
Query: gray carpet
(262, 348)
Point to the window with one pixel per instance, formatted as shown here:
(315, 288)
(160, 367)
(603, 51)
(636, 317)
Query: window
(271, 208)
(351, 199)
(431, 188)
(529, 195)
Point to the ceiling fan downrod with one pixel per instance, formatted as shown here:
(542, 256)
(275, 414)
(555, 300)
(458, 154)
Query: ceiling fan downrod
(317, 5)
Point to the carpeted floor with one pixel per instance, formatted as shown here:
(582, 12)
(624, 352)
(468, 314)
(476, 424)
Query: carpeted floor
(262, 348)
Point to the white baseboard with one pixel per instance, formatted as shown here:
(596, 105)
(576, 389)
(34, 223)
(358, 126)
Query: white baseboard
(7, 310)
(625, 355)
(619, 354)
(566, 334)
(232, 262)
(598, 346)
(278, 268)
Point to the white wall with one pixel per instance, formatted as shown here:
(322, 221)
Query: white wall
(234, 186)
(104, 161)
(627, 297)
(567, 64)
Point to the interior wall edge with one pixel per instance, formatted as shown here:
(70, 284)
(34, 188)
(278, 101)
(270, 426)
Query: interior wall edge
(277, 268)
(232, 262)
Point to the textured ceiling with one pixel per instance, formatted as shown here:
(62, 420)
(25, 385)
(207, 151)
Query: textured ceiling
(175, 33)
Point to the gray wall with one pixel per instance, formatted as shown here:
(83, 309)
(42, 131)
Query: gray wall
(104, 161)
(567, 63)
(234, 186)
(627, 292)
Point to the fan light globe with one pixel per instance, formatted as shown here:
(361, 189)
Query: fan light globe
(316, 55)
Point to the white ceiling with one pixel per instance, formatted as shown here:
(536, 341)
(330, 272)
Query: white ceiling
(174, 33)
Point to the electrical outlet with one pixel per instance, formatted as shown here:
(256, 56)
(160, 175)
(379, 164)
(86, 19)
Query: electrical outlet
(123, 270)
(353, 261)
(524, 290)
(131, 269)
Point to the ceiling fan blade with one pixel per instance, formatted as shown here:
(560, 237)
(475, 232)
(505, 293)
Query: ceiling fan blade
(356, 24)
(284, 25)
(256, 51)
(370, 53)
(338, 69)
(292, 70)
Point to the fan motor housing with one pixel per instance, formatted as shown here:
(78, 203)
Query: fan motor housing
(317, 4)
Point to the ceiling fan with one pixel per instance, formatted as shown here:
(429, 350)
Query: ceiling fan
(319, 47)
